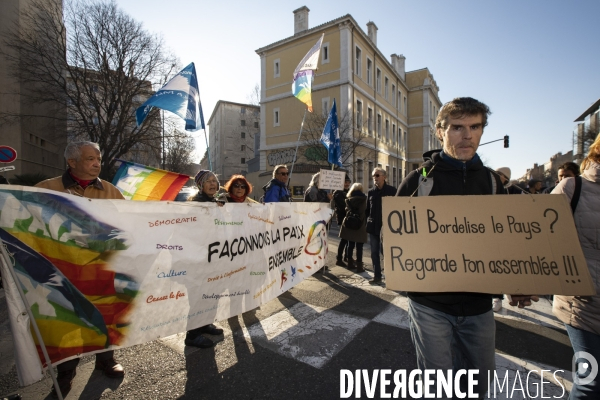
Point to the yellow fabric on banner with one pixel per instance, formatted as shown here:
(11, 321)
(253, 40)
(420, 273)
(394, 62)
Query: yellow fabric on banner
(64, 334)
(52, 248)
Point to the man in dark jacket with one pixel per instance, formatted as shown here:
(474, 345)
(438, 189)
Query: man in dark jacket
(456, 330)
(276, 190)
(338, 203)
(374, 210)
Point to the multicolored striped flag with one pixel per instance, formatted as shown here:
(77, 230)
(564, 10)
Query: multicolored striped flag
(140, 182)
(61, 258)
(304, 74)
(181, 96)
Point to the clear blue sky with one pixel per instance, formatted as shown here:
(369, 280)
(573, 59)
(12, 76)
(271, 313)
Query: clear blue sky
(536, 63)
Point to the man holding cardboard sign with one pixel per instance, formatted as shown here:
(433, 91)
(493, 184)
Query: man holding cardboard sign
(455, 331)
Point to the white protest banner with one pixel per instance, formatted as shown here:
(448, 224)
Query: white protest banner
(487, 244)
(329, 179)
(106, 274)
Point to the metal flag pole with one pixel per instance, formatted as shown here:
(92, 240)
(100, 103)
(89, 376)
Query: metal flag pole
(207, 150)
(8, 266)
(297, 143)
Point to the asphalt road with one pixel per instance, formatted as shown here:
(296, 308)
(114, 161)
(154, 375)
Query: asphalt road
(295, 346)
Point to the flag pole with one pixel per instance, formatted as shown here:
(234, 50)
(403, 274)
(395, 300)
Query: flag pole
(207, 151)
(8, 266)
(297, 143)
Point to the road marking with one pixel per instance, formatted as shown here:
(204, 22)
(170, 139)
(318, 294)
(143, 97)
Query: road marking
(310, 334)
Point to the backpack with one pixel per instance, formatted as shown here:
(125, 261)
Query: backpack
(426, 182)
(352, 220)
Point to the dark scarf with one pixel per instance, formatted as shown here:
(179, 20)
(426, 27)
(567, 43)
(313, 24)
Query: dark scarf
(81, 182)
(237, 199)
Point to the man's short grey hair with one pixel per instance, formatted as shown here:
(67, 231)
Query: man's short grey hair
(378, 169)
(73, 149)
(277, 168)
(315, 180)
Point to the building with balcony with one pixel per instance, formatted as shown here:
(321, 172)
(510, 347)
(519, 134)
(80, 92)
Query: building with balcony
(234, 134)
(36, 131)
(586, 130)
(387, 115)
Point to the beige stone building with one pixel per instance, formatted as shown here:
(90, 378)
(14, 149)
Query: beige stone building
(390, 113)
(234, 131)
(40, 140)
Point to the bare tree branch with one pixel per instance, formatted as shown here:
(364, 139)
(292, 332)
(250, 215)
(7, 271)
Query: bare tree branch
(99, 64)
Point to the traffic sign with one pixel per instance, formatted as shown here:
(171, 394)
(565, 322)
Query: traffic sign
(7, 154)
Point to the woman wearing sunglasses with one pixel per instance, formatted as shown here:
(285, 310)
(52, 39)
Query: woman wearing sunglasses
(238, 190)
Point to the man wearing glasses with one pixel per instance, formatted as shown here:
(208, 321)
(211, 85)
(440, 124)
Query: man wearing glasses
(453, 331)
(276, 190)
(374, 223)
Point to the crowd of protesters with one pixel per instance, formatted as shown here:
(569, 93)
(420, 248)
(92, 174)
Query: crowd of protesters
(450, 330)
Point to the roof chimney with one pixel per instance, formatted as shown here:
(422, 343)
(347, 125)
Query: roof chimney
(398, 62)
(372, 31)
(301, 19)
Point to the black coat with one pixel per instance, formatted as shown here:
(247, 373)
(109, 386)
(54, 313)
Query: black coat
(338, 203)
(374, 207)
(357, 203)
(201, 197)
(453, 177)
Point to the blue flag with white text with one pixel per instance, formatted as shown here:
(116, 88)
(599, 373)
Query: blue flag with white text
(181, 96)
(331, 138)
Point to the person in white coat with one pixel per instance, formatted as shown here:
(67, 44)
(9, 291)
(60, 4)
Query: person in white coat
(581, 314)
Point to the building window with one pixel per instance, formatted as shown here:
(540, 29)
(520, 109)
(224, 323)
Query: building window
(405, 107)
(243, 147)
(387, 130)
(243, 122)
(399, 102)
(369, 72)
(243, 135)
(378, 81)
(243, 160)
(325, 105)
(357, 65)
(276, 117)
(370, 170)
(359, 171)
(325, 53)
(393, 95)
(394, 183)
(359, 115)
(385, 87)
(394, 134)
(256, 124)
(243, 110)
(276, 68)
(379, 126)
(370, 121)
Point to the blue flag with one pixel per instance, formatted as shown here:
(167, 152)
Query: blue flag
(181, 96)
(331, 138)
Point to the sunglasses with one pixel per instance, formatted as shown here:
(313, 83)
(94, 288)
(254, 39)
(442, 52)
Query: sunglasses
(239, 186)
(376, 176)
(283, 173)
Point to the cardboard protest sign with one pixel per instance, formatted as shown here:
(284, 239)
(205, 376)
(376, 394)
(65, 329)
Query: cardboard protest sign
(486, 244)
(329, 179)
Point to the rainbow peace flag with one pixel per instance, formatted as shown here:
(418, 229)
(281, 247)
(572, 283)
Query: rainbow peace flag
(140, 182)
(62, 260)
(304, 74)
